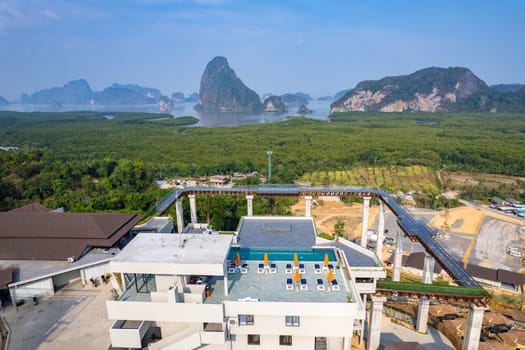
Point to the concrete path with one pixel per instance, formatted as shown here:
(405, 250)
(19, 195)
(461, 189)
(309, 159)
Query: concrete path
(74, 318)
(433, 340)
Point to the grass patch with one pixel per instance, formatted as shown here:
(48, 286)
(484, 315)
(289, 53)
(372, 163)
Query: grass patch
(432, 288)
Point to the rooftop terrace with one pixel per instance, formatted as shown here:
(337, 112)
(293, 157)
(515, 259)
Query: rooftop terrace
(268, 231)
(271, 287)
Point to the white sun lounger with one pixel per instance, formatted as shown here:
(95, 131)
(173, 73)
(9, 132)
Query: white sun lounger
(304, 284)
(317, 269)
(335, 285)
(289, 284)
(288, 269)
(320, 284)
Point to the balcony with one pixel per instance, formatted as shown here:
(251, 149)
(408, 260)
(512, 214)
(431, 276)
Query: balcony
(128, 334)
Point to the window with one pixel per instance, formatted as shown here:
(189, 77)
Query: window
(245, 320)
(285, 340)
(292, 321)
(254, 339)
(364, 280)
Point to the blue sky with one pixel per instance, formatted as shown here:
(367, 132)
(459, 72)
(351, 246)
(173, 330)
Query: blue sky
(318, 47)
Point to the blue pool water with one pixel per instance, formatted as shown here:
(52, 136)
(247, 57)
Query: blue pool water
(282, 254)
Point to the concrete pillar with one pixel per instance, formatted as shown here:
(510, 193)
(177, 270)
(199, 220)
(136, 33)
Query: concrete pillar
(249, 203)
(308, 206)
(346, 343)
(362, 337)
(193, 208)
(428, 270)
(380, 231)
(180, 215)
(226, 283)
(398, 256)
(422, 316)
(364, 228)
(374, 326)
(473, 328)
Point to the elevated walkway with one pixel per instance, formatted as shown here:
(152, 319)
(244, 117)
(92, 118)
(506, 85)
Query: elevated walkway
(415, 229)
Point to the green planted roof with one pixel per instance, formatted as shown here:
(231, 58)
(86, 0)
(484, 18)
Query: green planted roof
(433, 289)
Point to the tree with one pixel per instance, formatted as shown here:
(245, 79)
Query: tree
(339, 228)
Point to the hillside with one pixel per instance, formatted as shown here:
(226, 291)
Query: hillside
(431, 89)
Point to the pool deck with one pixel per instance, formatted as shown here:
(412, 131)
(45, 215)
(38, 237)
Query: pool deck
(271, 287)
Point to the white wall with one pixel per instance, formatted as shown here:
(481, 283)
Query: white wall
(309, 326)
(62, 279)
(271, 342)
(96, 271)
(28, 290)
(179, 312)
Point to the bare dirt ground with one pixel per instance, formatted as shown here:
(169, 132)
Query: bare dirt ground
(487, 233)
(327, 214)
(489, 180)
(466, 219)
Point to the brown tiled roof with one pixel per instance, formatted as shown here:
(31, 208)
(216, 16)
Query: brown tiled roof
(494, 319)
(6, 277)
(513, 337)
(482, 272)
(510, 277)
(515, 314)
(492, 345)
(441, 310)
(456, 326)
(417, 260)
(31, 207)
(57, 236)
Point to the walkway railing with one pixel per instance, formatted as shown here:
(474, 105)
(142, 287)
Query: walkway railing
(414, 228)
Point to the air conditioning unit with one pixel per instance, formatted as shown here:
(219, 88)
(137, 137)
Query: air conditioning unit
(233, 322)
(71, 259)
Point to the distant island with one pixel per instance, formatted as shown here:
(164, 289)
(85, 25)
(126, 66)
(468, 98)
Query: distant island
(78, 92)
(222, 91)
(431, 89)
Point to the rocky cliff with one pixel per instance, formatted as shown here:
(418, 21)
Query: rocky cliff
(165, 104)
(429, 90)
(304, 110)
(274, 104)
(222, 91)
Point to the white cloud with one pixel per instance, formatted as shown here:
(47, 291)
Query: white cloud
(50, 14)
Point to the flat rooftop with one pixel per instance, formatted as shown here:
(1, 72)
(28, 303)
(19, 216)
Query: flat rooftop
(276, 232)
(30, 269)
(164, 248)
(268, 287)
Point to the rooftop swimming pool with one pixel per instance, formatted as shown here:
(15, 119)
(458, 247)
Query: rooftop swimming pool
(282, 254)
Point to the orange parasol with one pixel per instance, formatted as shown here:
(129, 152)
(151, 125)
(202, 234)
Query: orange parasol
(297, 276)
(237, 258)
(330, 276)
(325, 259)
(265, 258)
(295, 259)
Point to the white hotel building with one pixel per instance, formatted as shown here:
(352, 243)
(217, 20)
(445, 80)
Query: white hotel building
(186, 287)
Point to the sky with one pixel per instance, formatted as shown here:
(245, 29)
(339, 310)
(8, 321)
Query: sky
(318, 47)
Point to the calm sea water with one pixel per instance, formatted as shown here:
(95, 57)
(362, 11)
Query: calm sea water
(321, 110)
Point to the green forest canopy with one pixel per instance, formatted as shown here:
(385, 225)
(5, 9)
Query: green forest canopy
(84, 161)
